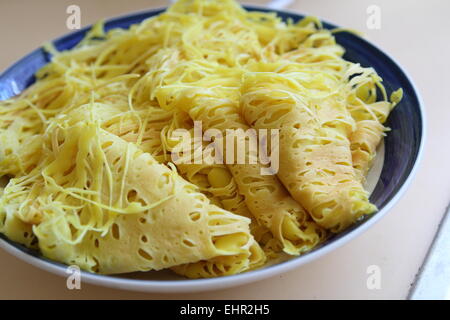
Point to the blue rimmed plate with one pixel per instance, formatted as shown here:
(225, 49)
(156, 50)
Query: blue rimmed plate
(397, 164)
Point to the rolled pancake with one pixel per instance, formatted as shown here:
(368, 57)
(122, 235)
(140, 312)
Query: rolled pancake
(154, 134)
(364, 142)
(368, 113)
(316, 162)
(215, 181)
(211, 96)
(110, 208)
(265, 196)
(20, 141)
(150, 128)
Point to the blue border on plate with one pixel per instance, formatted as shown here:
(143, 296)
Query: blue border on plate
(402, 144)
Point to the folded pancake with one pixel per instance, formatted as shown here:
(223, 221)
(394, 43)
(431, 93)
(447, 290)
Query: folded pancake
(316, 166)
(150, 128)
(320, 52)
(369, 113)
(214, 179)
(223, 265)
(14, 228)
(226, 33)
(99, 202)
(20, 141)
(68, 82)
(211, 97)
(264, 195)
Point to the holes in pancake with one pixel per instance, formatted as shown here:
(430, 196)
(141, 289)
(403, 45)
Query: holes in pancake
(142, 202)
(31, 167)
(329, 172)
(275, 116)
(320, 211)
(257, 189)
(144, 238)
(142, 220)
(199, 205)
(364, 147)
(107, 144)
(200, 197)
(336, 228)
(132, 195)
(34, 241)
(163, 180)
(137, 154)
(96, 243)
(189, 188)
(302, 174)
(231, 242)
(296, 144)
(218, 221)
(96, 267)
(116, 161)
(250, 180)
(73, 230)
(115, 231)
(69, 170)
(145, 255)
(195, 216)
(188, 243)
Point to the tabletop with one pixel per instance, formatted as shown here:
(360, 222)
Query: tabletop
(416, 33)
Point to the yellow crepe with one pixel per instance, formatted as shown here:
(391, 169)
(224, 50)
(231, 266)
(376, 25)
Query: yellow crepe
(317, 164)
(212, 98)
(369, 115)
(215, 180)
(153, 134)
(108, 207)
(150, 128)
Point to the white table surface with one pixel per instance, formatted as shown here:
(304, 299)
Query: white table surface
(416, 33)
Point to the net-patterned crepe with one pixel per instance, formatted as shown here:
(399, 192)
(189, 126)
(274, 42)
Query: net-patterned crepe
(103, 204)
(213, 179)
(74, 144)
(154, 136)
(217, 107)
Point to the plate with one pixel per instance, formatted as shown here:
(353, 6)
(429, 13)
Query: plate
(393, 171)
